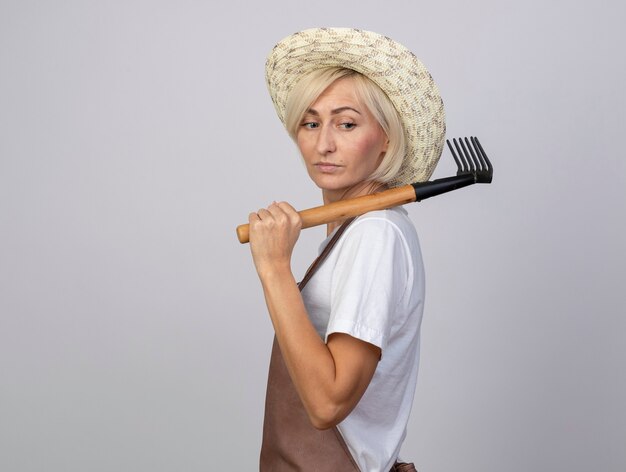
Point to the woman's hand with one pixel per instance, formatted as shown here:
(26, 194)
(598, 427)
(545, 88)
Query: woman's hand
(274, 232)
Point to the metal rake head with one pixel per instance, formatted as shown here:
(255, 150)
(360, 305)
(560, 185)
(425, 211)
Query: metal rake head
(470, 158)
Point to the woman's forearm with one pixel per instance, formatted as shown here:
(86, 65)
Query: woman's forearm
(330, 377)
(308, 359)
(329, 381)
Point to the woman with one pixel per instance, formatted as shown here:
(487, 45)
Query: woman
(366, 116)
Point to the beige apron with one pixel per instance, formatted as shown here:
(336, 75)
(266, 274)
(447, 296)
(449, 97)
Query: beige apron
(290, 442)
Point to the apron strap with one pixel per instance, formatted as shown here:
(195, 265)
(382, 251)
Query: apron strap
(324, 254)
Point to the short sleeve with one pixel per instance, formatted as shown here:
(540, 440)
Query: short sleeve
(369, 281)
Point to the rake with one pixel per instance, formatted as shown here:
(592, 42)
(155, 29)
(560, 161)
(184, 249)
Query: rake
(473, 168)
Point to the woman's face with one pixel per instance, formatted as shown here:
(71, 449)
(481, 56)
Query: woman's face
(340, 140)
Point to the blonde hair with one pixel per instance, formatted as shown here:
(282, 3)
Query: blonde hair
(312, 85)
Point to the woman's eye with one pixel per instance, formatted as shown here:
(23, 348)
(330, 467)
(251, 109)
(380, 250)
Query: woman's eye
(309, 125)
(347, 125)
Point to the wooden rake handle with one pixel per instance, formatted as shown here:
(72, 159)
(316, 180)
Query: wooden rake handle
(473, 166)
(346, 208)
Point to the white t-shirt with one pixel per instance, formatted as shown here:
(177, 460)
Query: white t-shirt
(371, 287)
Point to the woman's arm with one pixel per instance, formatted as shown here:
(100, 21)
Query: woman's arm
(330, 378)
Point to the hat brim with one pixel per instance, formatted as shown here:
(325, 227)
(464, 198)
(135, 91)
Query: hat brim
(391, 66)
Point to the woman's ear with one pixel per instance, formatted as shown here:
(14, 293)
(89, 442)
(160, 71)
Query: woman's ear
(386, 145)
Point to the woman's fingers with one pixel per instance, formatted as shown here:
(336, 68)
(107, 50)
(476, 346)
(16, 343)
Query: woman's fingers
(262, 215)
(291, 213)
(280, 212)
(276, 215)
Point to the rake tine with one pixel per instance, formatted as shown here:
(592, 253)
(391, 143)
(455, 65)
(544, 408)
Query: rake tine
(479, 147)
(482, 165)
(467, 156)
(456, 159)
(461, 156)
(477, 162)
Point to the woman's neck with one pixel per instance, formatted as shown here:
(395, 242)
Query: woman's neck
(358, 190)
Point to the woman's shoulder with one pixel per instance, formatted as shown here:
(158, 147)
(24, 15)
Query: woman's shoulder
(391, 226)
(378, 227)
(396, 217)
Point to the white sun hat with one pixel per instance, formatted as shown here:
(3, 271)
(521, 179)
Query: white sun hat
(389, 65)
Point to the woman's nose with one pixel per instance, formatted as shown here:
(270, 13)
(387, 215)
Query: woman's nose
(325, 140)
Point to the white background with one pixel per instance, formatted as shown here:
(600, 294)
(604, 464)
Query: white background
(134, 137)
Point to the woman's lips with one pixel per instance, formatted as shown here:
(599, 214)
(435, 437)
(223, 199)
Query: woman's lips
(327, 167)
